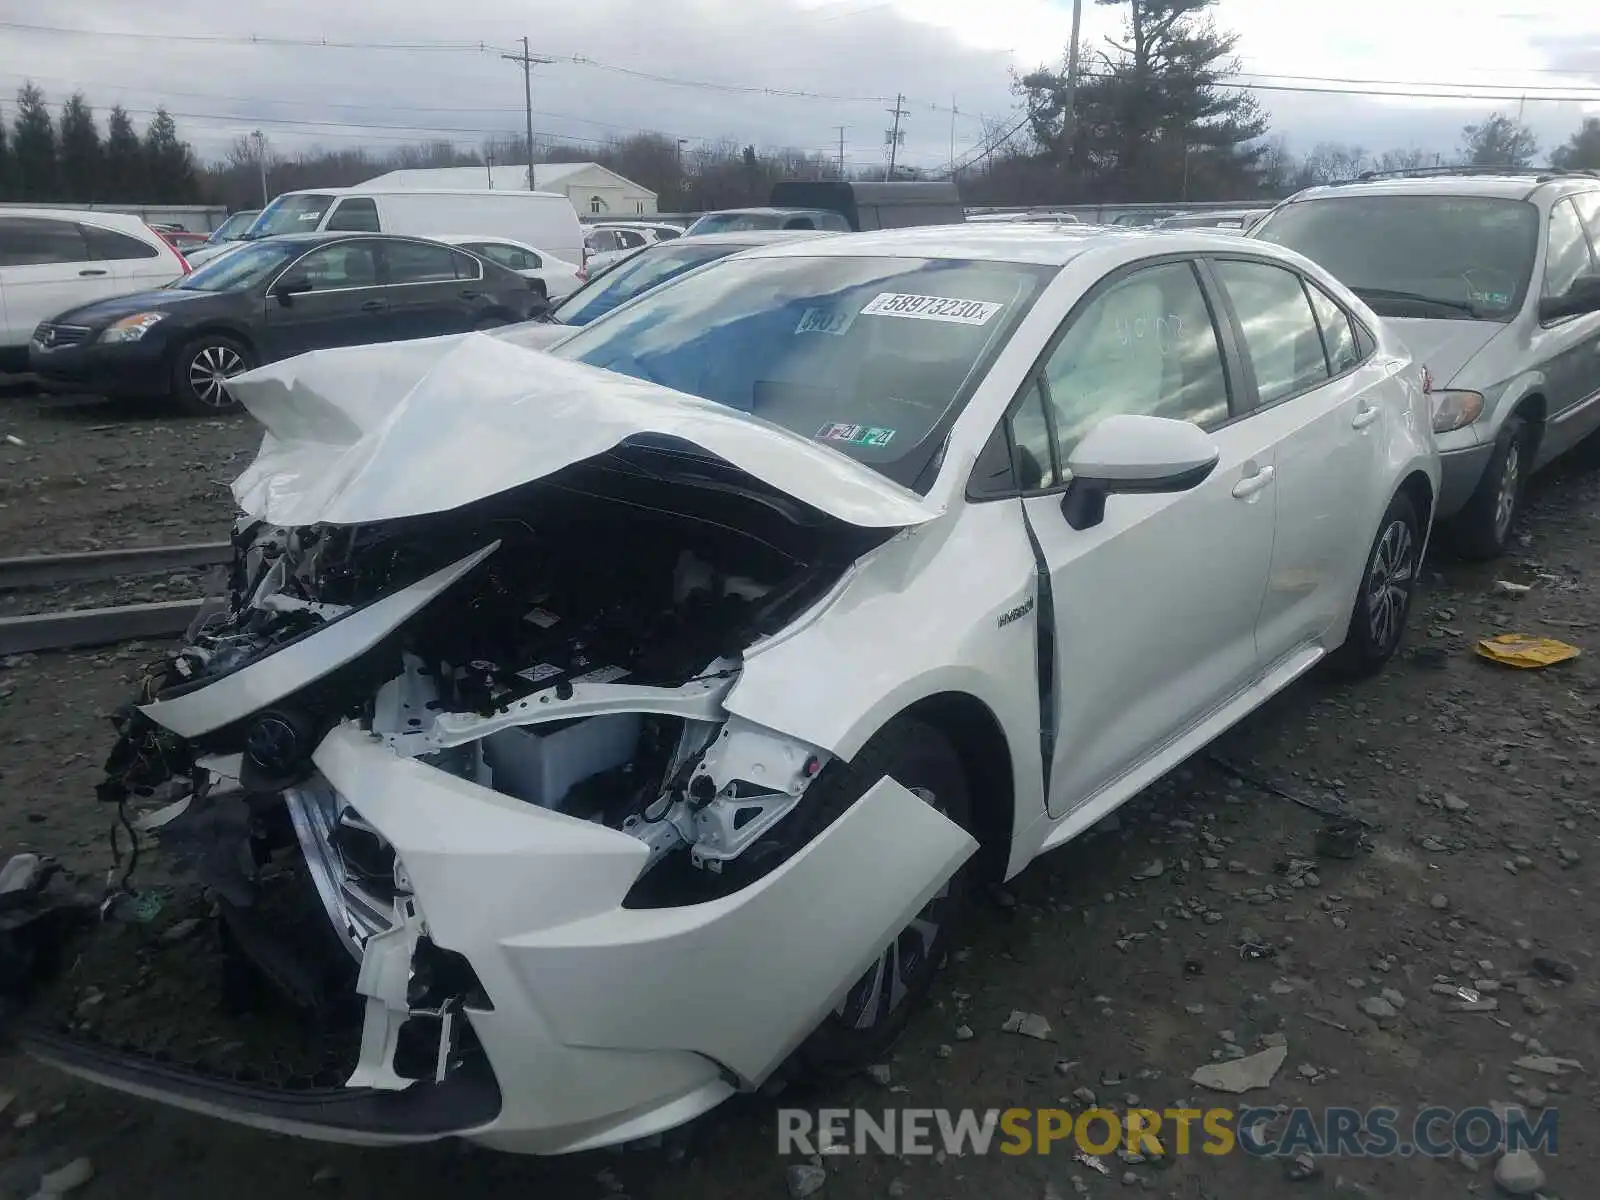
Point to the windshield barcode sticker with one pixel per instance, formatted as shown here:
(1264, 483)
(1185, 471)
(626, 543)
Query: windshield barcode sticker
(931, 308)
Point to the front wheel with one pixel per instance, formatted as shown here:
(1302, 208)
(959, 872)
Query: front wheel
(1481, 528)
(920, 759)
(200, 370)
(1384, 600)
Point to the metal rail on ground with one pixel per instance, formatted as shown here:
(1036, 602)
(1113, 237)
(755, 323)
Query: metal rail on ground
(49, 570)
(79, 627)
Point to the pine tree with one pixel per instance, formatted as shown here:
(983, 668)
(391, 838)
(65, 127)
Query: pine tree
(33, 147)
(126, 176)
(1499, 141)
(82, 160)
(1582, 150)
(5, 162)
(169, 161)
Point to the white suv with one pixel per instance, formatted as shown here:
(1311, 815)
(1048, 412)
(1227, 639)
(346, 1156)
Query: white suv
(53, 259)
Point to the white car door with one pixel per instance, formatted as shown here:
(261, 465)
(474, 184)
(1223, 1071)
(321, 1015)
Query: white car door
(47, 269)
(1156, 605)
(136, 264)
(1330, 430)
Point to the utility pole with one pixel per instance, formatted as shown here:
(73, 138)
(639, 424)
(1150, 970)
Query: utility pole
(488, 168)
(528, 61)
(953, 111)
(261, 161)
(895, 136)
(683, 186)
(841, 130)
(1069, 124)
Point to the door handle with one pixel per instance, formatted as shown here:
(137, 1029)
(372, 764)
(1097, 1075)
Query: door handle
(91, 271)
(1252, 484)
(374, 306)
(470, 295)
(1365, 416)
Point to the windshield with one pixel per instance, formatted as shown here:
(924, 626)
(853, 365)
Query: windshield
(295, 213)
(737, 222)
(633, 276)
(240, 268)
(233, 227)
(864, 355)
(1446, 257)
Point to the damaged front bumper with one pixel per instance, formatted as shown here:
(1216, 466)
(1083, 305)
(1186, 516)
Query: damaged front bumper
(597, 1023)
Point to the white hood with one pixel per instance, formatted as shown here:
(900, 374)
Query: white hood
(1444, 347)
(371, 433)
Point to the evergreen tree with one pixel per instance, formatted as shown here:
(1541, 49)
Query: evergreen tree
(170, 162)
(1582, 150)
(126, 176)
(82, 162)
(1498, 142)
(5, 162)
(33, 147)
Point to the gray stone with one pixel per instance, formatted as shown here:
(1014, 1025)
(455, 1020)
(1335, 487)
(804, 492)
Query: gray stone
(1439, 901)
(1517, 1174)
(1084, 1095)
(897, 1188)
(1379, 1009)
(1242, 1074)
(1301, 1168)
(964, 1033)
(804, 1179)
(879, 1074)
(1028, 1025)
(74, 1175)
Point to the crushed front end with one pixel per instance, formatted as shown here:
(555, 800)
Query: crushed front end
(478, 849)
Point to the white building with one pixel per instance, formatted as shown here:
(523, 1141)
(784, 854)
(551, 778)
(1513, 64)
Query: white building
(594, 190)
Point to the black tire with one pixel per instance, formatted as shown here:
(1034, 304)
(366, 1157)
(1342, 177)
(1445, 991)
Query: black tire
(199, 366)
(918, 757)
(1481, 528)
(1387, 585)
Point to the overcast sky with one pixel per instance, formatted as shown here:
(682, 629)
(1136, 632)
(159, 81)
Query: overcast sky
(847, 55)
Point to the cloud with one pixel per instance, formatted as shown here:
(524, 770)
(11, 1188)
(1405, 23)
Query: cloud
(851, 57)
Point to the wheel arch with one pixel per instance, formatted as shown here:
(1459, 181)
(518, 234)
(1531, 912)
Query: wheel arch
(1418, 488)
(225, 328)
(980, 742)
(1534, 409)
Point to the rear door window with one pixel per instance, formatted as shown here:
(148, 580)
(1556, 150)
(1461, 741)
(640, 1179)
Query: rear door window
(1338, 332)
(109, 245)
(1280, 331)
(335, 268)
(420, 262)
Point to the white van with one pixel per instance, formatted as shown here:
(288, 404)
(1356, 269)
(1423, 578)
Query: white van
(543, 219)
(54, 259)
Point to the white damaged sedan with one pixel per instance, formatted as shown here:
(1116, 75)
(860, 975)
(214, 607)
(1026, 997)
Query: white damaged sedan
(590, 735)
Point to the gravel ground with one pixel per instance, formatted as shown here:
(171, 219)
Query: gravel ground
(1128, 943)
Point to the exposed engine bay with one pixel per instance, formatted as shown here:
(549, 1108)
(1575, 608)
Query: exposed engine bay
(567, 645)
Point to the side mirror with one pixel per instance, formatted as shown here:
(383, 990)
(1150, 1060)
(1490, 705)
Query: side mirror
(1582, 297)
(1128, 455)
(286, 289)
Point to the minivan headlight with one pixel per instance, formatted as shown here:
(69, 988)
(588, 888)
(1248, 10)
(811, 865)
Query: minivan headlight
(131, 329)
(1454, 409)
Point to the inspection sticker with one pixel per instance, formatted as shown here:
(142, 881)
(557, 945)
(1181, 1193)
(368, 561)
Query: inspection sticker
(602, 675)
(855, 435)
(836, 321)
(931, 308)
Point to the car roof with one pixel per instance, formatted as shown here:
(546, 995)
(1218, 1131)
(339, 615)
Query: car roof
(123, 222)
(1511, 185)
(749, 237)
(1009, 241)
(763, 211)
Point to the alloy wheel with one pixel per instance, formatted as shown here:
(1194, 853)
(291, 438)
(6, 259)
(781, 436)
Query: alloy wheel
(1505, 500)
(1390, 577)
(209, 368)
(884, 986)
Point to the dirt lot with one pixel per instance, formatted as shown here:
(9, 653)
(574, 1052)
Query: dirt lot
(1129, 943)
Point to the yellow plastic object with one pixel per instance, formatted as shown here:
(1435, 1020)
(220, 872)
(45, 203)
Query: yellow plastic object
(1523, 650)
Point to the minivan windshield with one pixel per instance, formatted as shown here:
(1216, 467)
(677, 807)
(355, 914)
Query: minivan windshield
(299, 212)
(1445, 257)
(864, 355)
(234, 227)
(632, 276)
(241, 268)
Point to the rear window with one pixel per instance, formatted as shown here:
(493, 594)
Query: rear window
(1444, 257)
(108, 244)
(863, 355)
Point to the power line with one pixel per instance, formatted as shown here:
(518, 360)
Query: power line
(248, 39)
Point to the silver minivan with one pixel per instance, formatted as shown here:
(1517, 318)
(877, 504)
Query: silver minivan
(1493, 279)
